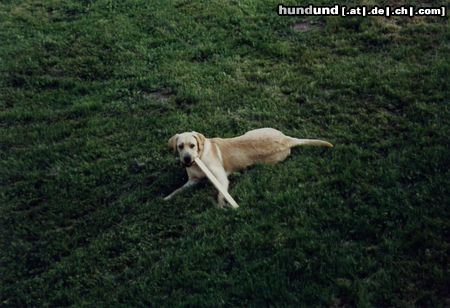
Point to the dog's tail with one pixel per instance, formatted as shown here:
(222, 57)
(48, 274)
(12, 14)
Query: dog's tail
(312, 142)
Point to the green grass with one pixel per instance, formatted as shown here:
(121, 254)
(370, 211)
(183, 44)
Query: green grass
(90, 91)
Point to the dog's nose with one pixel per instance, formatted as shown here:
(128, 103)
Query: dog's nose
(187, 159)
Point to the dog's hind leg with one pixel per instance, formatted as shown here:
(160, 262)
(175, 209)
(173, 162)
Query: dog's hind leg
(278, 156)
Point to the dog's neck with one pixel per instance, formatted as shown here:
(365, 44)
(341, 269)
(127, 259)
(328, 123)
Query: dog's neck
(211, 147)
(206, 149)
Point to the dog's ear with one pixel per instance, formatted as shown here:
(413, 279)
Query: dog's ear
(200, 141)
(173, 142)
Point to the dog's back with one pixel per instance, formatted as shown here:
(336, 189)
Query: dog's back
(264, 145)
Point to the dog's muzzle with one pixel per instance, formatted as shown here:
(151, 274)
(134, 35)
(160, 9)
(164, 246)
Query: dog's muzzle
(187, 161)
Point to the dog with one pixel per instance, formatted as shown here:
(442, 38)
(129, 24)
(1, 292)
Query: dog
(225, 156)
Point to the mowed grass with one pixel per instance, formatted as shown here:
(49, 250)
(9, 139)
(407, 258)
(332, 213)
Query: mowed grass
(90, 91)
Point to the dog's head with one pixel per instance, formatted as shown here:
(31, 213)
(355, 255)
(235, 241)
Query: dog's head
(189, 146)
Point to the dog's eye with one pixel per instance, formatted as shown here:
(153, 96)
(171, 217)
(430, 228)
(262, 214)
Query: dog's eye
(181, 146)
(192, 145)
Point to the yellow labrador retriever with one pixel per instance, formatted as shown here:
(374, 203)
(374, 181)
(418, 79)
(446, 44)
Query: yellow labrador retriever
(225, 156)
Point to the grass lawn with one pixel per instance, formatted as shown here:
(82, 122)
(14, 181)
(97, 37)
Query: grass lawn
(90, 92)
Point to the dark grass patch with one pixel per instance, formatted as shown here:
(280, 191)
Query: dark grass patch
(161, 95)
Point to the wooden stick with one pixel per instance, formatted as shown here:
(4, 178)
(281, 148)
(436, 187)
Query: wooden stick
(216, 183)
